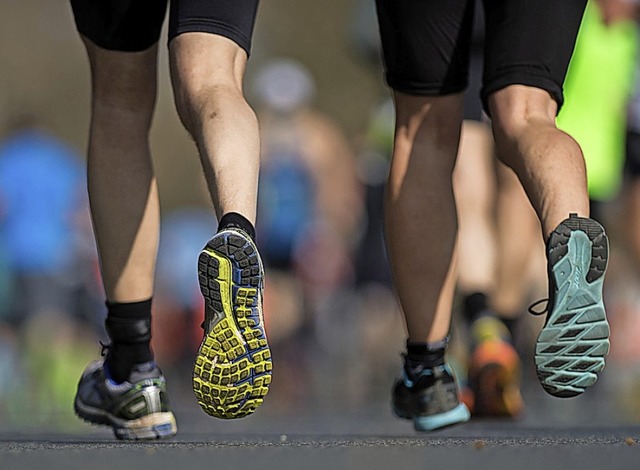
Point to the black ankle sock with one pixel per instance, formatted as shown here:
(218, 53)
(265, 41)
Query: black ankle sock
(425, 355)
(235, 220)
(475, 306)
(129, 328)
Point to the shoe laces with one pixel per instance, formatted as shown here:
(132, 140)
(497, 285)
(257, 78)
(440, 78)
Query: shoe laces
(532, 308)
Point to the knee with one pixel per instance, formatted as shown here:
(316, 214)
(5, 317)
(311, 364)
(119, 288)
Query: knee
(516, 107)
(206, 72)
(199, 102)
(124, 97)
(433, 120)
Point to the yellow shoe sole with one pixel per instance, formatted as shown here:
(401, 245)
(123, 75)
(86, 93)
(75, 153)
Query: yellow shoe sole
(232, 371)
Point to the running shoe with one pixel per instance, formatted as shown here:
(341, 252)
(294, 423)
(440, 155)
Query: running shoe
(574, 341)
(136, 409)
(429, 397)
(494, 380)
(232, 370)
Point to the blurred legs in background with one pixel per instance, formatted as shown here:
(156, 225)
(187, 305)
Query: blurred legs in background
(493, 367)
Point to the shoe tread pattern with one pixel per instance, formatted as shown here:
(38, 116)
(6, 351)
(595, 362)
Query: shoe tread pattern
(574, 341)
(233, 366)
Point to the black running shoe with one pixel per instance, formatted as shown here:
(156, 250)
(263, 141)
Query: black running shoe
(136, 409)
(429, 397)
(574, 341)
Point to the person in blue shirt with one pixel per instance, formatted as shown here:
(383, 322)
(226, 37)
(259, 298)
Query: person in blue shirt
(41, 195)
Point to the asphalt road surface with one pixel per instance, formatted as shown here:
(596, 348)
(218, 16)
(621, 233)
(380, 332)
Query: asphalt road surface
(593, 431)
(369, 439)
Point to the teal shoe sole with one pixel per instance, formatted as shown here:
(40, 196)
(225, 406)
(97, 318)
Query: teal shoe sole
(574, 341)
(457, 415)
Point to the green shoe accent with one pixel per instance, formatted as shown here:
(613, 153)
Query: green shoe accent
(137, 409)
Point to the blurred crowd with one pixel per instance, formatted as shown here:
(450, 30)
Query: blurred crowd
(330, 311)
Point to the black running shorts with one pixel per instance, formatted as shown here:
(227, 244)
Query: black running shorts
(135, 25)
(426, 44)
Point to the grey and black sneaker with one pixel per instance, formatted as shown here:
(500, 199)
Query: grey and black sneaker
(429, 397)
(233, 367)
(574, 341)
(135, 409)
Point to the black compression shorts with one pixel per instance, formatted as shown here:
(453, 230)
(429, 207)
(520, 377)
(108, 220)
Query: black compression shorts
(426, 44)
(135, 25)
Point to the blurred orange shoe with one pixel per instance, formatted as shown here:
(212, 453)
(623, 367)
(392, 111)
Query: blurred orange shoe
(494, 377)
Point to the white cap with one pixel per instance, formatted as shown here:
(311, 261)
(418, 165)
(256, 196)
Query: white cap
(284, 85)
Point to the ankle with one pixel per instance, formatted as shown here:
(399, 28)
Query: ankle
(129, 328)
(424, 355)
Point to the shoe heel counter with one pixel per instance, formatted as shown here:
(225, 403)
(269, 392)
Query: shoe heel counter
(147, 398)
